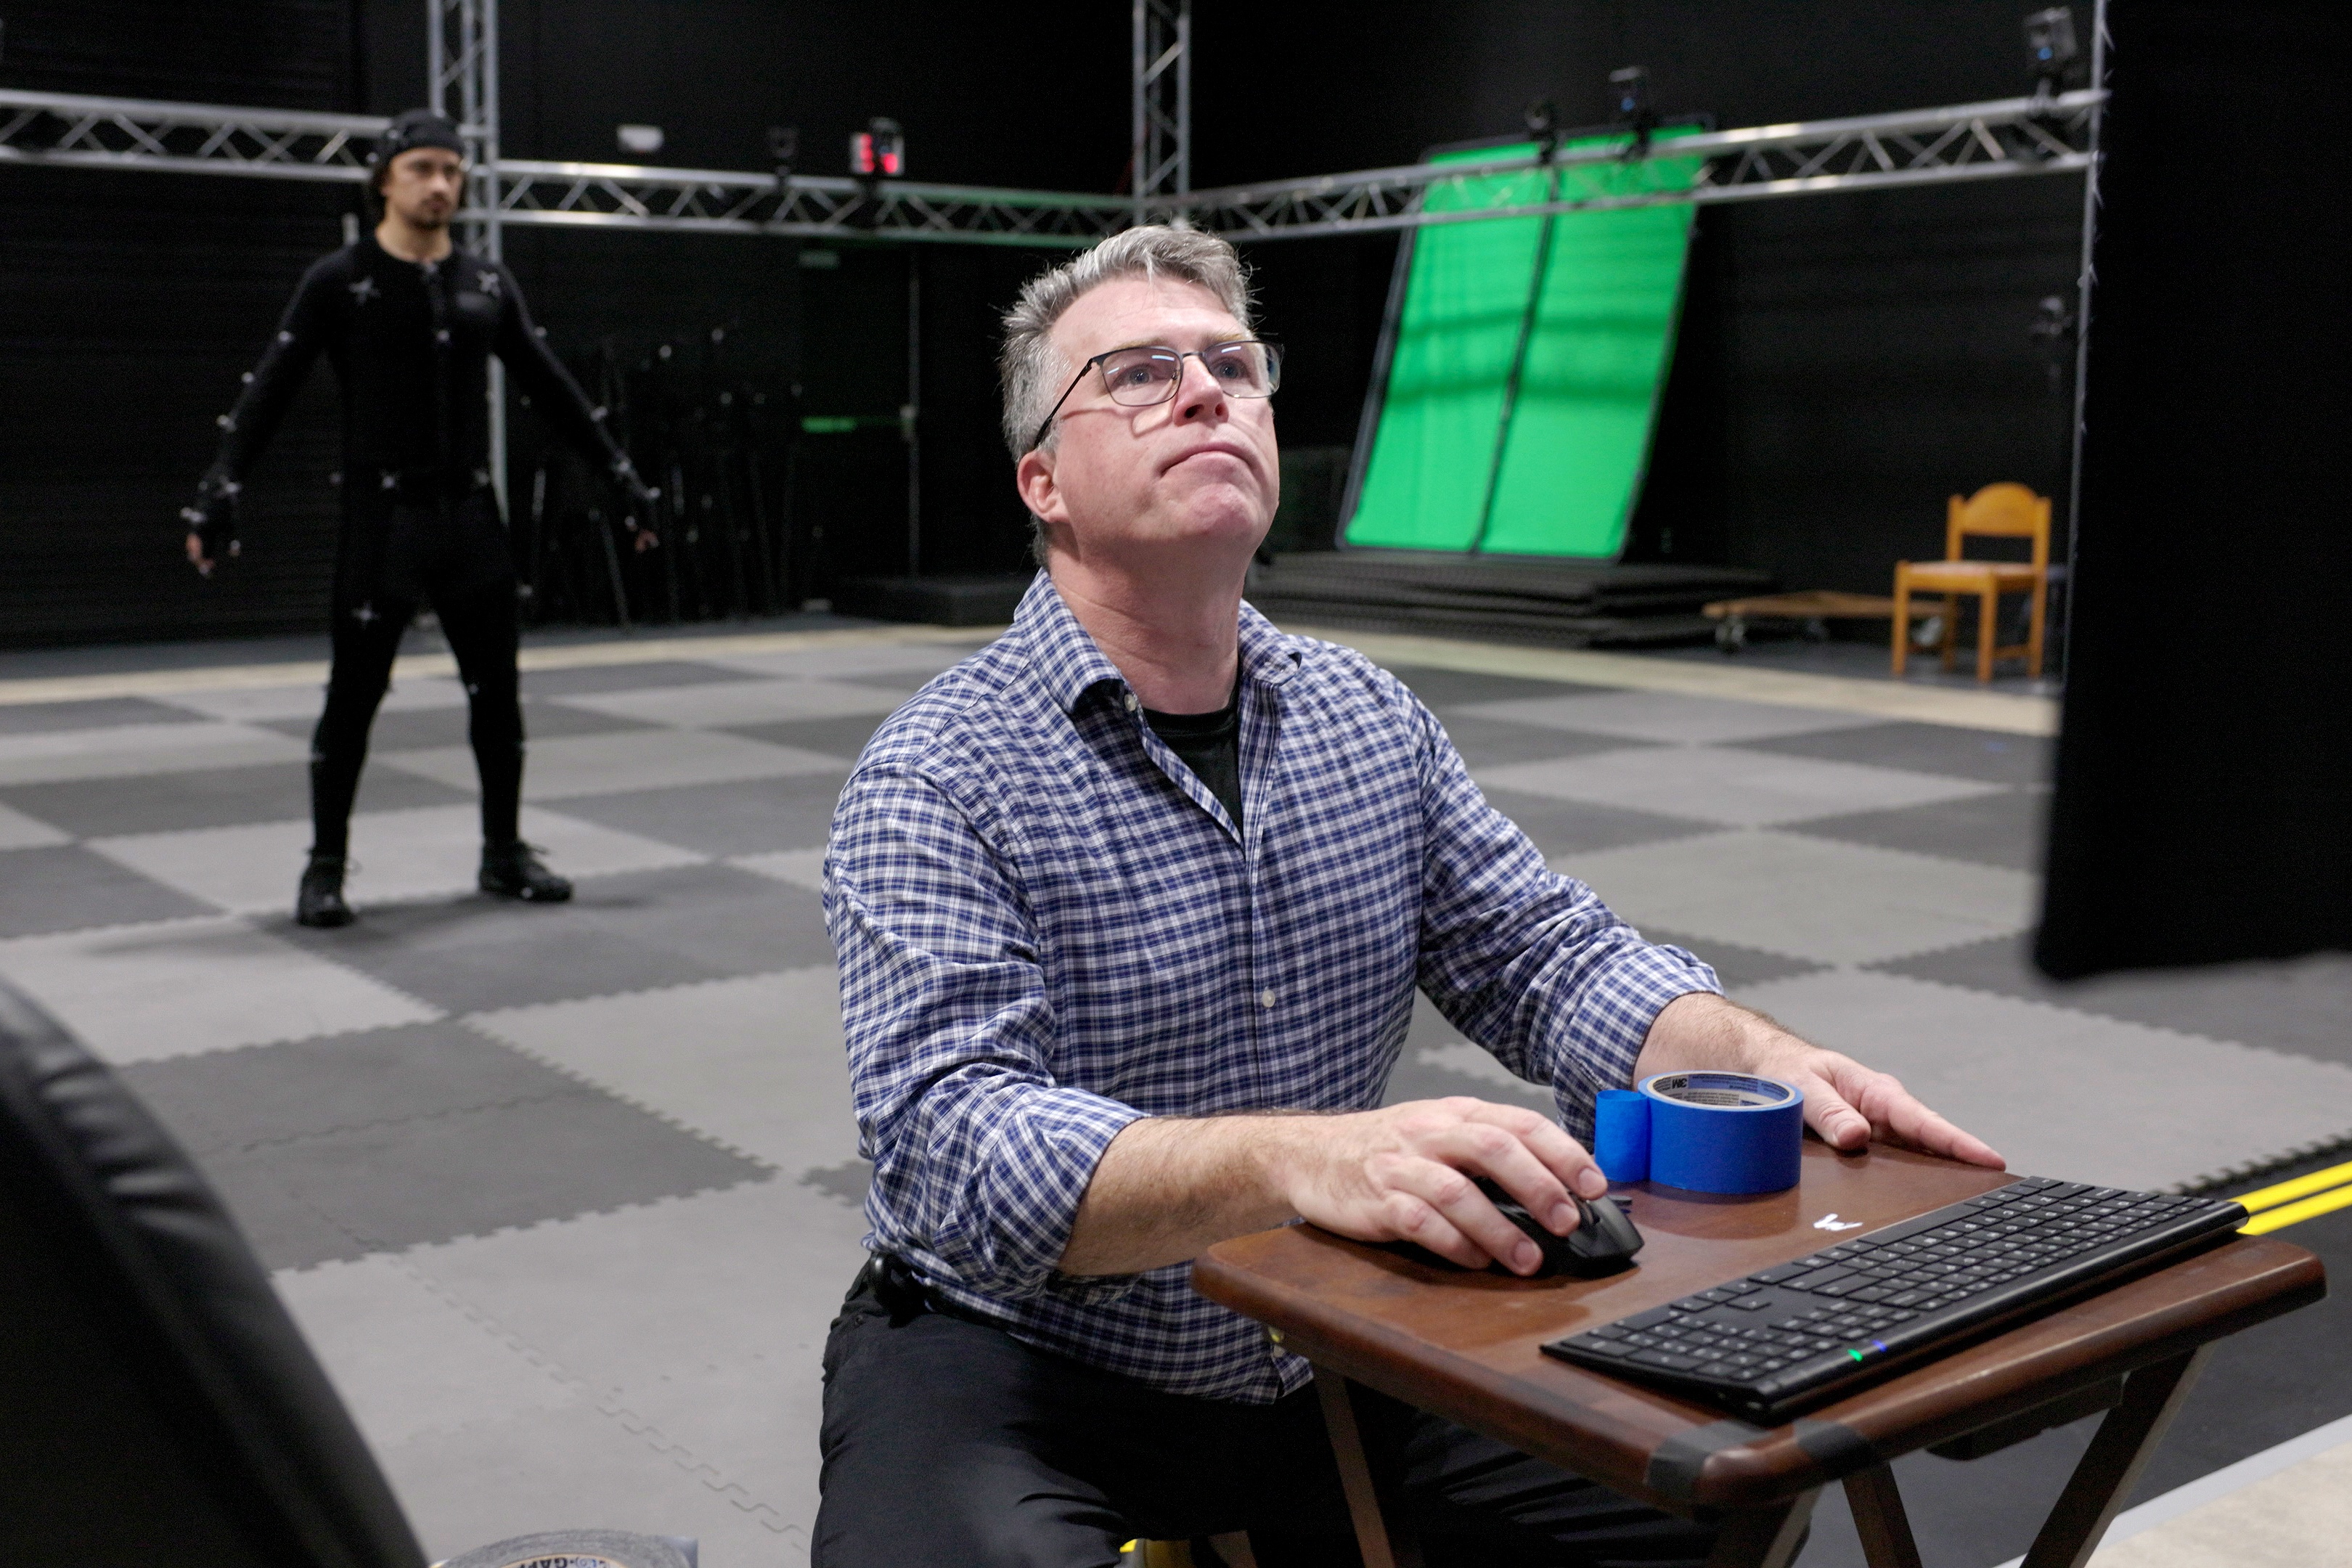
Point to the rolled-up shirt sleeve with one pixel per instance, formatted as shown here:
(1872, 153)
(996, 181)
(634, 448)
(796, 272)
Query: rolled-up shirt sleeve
(980, 1155)
(1526, 961)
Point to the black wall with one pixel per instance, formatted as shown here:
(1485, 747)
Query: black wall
(1845, 362)
(2201, 809)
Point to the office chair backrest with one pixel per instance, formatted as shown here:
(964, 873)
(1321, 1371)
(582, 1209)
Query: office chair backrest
(157, 1405)
(2005, 510)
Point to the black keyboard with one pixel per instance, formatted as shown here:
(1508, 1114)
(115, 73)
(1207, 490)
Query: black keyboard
(1805, 1332)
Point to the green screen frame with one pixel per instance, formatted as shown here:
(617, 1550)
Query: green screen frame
(1527, 357)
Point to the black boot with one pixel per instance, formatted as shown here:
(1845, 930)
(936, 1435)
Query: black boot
(515, 872)
(320, 901)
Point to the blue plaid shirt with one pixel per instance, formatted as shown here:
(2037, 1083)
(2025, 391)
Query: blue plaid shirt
(1048, 928)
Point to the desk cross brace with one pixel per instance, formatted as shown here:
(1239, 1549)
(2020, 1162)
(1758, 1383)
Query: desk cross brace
(1769, 1535)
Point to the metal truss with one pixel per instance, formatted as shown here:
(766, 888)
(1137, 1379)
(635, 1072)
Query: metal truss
(75, 132)
(2003, 139)
(1161, 164)
(461, 59)
(712, 201)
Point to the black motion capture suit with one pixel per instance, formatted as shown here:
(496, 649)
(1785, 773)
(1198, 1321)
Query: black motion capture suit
(411, 346)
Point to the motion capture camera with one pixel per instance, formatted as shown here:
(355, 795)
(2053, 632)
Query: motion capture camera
(1629, 106)
(784, 150)
(2051, 51)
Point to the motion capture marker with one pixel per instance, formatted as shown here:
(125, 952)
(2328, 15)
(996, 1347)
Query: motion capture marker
(363, 290)
(442, 336)
(246, 380)
(391, 480)
(225, 422)
(364, 615)
(488, 282)
(285, 337)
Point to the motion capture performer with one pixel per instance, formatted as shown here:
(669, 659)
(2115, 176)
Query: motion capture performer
(409, 324)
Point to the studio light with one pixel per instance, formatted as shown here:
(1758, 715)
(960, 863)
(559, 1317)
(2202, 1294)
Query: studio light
(641, 140)
(878, 150)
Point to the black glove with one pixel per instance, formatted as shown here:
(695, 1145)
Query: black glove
(645, 501)
(212, 520)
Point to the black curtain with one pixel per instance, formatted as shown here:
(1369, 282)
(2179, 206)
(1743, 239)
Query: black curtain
(2201, 811)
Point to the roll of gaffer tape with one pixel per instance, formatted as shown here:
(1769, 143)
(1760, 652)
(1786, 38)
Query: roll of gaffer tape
(1723, 1132)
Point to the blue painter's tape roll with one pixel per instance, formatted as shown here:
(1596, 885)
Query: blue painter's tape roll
(1620, 1134)
(1723, 1132)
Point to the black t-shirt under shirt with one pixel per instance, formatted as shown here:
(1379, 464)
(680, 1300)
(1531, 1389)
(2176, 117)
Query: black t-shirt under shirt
(1211, 745)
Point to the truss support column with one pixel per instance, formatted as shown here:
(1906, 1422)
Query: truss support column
(1162, 117)
(2083, 289)
(461, 51)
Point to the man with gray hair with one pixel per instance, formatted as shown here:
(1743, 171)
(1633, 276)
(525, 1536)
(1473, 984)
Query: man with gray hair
(1131, 908)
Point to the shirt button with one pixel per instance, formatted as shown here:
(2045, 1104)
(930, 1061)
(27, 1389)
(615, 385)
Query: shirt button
(1133, 702)
(1266, 998)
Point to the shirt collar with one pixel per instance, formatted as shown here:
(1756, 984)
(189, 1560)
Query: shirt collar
(1069, 664)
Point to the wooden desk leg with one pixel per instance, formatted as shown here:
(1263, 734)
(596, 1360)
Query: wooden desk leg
(1764, 1537)
(1381, 1533)
(2125, 1439)
(1879, 1518)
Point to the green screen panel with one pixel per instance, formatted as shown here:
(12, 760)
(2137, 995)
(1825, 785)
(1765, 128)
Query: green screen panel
(1587, 400)
(1465, 294)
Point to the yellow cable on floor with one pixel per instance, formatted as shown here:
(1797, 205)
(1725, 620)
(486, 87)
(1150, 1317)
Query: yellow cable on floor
(2292, 1202)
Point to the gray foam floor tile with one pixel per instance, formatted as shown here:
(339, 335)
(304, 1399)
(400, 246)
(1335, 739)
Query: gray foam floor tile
(844, 737)
(64, 887)
(304, 1089)
(739, 1386)
(467, 1172)
(2067, 1094)
(760, 1068)
(2303, 1005)
(1443, 689)
(1736, 967)
(212, 797)
(41, 717)
(751, 817)
(1491, 742)
(2007, 829)
(1574, 827)
(1985, 754)
(568, 765)
(446, 726)
(1746, 789)
(1807, 897)
(410, 1362)
(632, 932)
(596, 678)
(1670, 717)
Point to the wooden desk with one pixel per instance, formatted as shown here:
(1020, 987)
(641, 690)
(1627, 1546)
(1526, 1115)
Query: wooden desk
(1464, 1346)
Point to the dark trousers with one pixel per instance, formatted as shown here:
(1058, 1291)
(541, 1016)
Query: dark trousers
(947, 1441)
(455, 557)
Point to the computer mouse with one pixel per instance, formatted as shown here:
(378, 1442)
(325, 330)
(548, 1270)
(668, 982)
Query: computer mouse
(1603, 1241)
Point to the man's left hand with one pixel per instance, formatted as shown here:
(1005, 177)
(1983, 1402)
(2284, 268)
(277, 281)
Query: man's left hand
(1846, 1103)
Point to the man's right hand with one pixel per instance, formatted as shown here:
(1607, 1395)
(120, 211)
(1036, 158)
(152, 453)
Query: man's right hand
(1404, 1174)
(1168, 1188)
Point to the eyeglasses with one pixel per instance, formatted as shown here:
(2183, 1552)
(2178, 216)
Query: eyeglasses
(1137, 378)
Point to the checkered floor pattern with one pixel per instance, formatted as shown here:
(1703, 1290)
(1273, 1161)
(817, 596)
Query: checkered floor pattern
(566, 1197)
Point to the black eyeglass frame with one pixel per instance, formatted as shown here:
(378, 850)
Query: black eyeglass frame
(1274, 374)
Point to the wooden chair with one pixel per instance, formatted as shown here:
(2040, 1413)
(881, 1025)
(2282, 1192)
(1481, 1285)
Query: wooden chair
(1998, 510)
